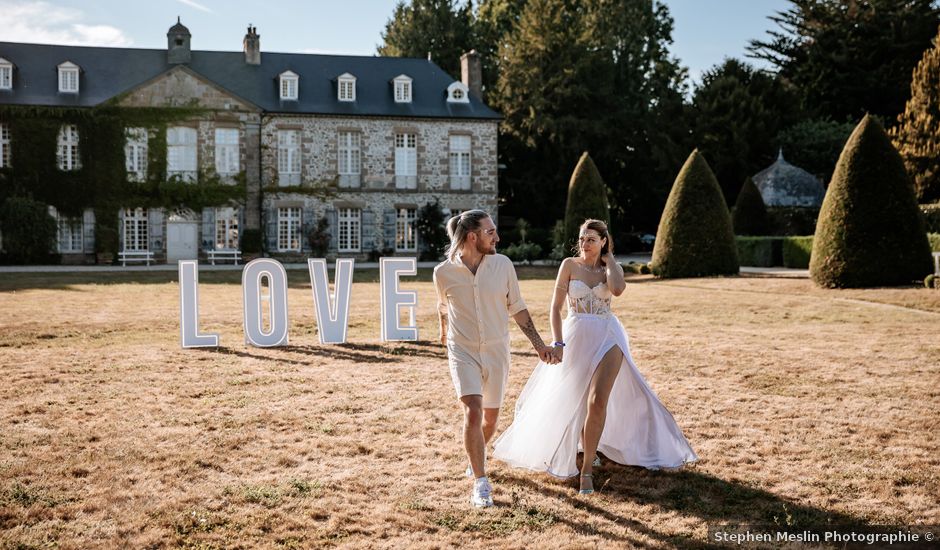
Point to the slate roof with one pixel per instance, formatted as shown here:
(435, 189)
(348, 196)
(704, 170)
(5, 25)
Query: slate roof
(107, 72)
(783, 184)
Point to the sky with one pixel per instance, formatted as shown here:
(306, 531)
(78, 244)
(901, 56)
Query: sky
(706, 31)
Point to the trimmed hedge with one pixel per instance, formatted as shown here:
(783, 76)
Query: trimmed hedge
(587, 198)
(750, 214)
(759, 251)
(797, 251)
(792, 220)
(695, 238)
(870, 231)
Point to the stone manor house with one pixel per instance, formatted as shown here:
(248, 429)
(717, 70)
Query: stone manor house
(362, 142)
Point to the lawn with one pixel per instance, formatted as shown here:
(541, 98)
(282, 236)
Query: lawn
(806, 406)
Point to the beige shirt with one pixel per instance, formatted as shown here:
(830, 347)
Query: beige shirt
(478, 307)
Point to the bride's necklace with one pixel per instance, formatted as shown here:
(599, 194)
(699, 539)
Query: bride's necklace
(600, 269)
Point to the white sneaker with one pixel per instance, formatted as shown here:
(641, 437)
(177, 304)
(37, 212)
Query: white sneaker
(482, 495)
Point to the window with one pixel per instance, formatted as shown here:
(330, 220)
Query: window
(288, 157)
(4, 145)
(348, 158)
(226, 151)
(406, 237)
(135, 153)
(68, 78)
(67, 152)
(460, 162)
(181, 153)
(6, 74)
(346, 89)
(458, 93)
(70, 234)
(402, 89)
(226, 229)
(290, 83)
(135, 230)
(288, 229)
(406, 161)
(350, 224)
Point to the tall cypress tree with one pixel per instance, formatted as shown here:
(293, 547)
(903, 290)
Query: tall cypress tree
(587, 198)
(695, 238)
(917, 135)
(750, 212)
(870, 231)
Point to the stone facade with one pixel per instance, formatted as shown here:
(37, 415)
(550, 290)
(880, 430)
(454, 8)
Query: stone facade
(377, 196)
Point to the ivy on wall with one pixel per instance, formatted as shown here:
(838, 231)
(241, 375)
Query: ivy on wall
(102, 181)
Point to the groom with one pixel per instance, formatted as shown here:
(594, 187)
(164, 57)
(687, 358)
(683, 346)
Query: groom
(477, 291)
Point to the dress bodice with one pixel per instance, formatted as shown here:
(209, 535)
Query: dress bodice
(586, 299)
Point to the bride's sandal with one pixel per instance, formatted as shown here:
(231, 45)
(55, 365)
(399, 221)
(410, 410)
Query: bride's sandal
(587, 491)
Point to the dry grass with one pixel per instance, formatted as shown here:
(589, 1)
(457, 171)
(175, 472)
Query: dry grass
(805, 406)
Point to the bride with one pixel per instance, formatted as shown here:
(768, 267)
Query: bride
(595, 394)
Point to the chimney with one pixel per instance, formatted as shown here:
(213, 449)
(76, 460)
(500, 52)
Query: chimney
(252, 44)
(177, 44)
(471, 73)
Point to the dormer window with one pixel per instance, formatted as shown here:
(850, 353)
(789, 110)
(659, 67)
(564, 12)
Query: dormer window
(290, 84)
(346, 88)
(6, 74)
(402, 89)
(68, 78)
(458, 93)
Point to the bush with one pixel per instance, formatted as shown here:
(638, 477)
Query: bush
(638, 268)
(251, 241)
(930, 281)
(931, 214)
(792, 220)
(587, 198)
(797, 251)
(750, 214)
(759, 251)
(318, 238)
(523, 252)
(432, 231)
(29, 232)
(695, 238)
(870, 231)
(934, 239)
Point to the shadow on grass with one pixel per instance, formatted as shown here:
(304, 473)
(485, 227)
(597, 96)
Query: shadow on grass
(332, 352)
(686, 492)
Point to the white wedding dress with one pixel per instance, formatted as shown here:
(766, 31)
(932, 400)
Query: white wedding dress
(550, 412)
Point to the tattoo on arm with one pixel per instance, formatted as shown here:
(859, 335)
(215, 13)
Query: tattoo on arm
(528, 328)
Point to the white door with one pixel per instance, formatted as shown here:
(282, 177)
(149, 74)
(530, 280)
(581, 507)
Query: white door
(182, 241)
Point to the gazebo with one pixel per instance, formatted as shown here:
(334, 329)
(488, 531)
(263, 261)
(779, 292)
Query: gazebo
(782, 184)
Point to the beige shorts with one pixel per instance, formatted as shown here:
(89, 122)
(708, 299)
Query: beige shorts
(480, 373)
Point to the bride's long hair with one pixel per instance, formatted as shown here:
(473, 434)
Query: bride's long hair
(601, 228)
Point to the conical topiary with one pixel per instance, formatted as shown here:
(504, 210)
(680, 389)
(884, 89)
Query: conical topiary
(587, 198)
(695, 238)
(870, 231)
(916, 135)
(750, 213)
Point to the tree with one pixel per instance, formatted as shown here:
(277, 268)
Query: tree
(695, 238)
(440, 28)
(917, 135)
(870, 231)
(29, 232)
(587, 198)
(750, 212)
(815, 144)
(849, 57)
(432, 232)
(737, 113)
(589, 75)
(493, 23)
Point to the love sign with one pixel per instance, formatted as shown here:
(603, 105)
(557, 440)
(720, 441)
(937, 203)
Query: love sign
(332, 310)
